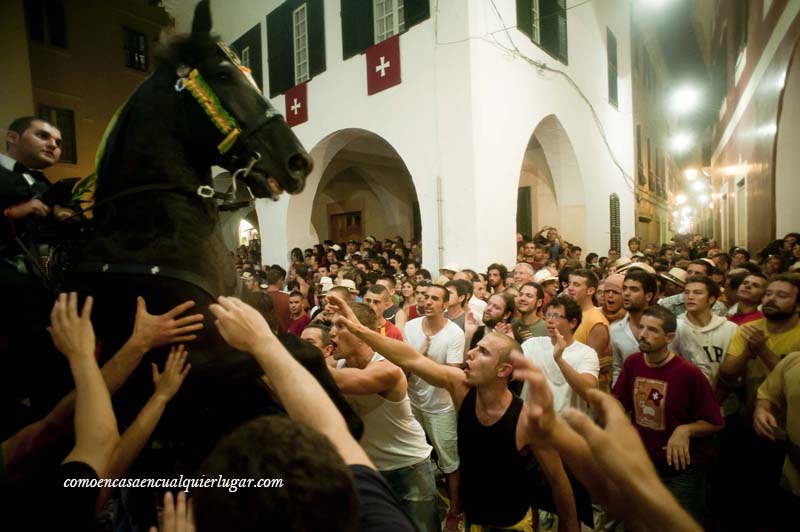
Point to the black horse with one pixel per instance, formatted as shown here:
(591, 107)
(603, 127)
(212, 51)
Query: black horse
(155, 230)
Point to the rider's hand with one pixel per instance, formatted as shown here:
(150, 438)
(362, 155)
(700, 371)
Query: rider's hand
(33, 207)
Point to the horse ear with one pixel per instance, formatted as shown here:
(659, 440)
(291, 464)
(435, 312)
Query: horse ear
(201, 24)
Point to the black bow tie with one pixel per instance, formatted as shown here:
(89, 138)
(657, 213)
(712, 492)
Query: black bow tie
(22, 169)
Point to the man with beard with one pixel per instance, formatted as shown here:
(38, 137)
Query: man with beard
(492, 428)
(496, 278)
(612, 300)
(754, 351)
(673, 409)
(638, 291)
(497, 317)
(530, 303)
(442, 341)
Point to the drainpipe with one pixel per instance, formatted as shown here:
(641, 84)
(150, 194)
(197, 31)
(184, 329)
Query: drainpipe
(440, 218)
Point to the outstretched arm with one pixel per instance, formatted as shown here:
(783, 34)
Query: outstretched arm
(610, 460)
(399, 353)
(23, 449)
(306, 402)
(95, 425)
(135, 437)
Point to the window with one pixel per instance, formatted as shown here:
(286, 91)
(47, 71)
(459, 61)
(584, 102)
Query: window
(365, 23)
(536, 36)
(248, 47)
(64, 120)
(545, 22)
(135, 49)
(650, 170)
(614, 219)
(300, 25)
(611, 49)
(46, 22)
(295, 43)
(389, 18)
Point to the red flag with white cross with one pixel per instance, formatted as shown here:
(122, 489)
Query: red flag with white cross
(296, 105)
(383, 65)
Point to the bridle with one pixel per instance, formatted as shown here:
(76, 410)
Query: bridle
(234, 144)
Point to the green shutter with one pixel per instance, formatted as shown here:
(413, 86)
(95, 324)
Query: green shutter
(316, 37)
(524, 211)
(525, 17)
(416, 11)
(561, 51)
(280, 52)
(611, 48)
(358, 27)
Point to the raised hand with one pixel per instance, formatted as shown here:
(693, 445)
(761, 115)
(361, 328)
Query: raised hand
(470, 325)
(72, 332)
(151, 331)
(242, 326)
(540, 412)
(177, 517)
(561, 344)
(175, 370)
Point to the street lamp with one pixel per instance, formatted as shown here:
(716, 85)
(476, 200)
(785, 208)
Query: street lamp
(690, 173)
(685, 100)
(681, 142)
(680, 199)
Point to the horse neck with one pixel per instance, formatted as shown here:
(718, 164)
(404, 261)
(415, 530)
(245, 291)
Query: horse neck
(171, 228)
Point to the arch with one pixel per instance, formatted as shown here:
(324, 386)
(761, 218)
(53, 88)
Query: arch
(550, 168)
(354, 168)
(787, 156)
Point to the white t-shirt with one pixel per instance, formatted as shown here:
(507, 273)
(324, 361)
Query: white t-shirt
(580, 356)
(446, 347)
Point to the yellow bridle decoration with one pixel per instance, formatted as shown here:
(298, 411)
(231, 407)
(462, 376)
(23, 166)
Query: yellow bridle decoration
(205, 96)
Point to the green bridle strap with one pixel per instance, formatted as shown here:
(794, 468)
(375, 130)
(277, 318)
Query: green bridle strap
(205, 96)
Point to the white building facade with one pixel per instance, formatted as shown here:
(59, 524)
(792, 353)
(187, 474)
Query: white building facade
(475, 128)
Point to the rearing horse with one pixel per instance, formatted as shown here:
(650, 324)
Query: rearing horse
(156, 226)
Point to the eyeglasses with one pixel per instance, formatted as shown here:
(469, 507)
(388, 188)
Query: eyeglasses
(550, 316)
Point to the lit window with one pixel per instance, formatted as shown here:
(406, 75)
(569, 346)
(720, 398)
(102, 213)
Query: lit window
(246, 57)
(135, 49)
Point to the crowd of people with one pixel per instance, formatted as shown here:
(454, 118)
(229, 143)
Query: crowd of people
(652, 389)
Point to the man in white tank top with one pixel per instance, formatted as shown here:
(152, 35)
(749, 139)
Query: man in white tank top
(393, 438)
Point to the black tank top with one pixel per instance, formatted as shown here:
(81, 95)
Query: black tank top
(495, 478)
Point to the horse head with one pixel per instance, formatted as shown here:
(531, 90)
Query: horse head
(249, 137)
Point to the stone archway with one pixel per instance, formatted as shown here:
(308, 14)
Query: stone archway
(355, 170)
(550, 183)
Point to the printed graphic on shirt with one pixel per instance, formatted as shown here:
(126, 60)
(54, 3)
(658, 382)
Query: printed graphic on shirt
(716, 356)
(649, 398)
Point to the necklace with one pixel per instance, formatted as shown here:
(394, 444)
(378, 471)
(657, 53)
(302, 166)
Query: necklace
(660, 362)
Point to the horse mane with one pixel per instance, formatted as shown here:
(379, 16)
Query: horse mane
(178, 49)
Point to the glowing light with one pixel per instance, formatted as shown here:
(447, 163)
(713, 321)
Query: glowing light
(675, 214)
(680, 199)
(711, 205)
(681, 142)
(703, 198)
(685, 100)
(768, 130)
(690, 173)
(686, 211)
(698, 185)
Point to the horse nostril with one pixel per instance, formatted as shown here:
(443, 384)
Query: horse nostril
(299, 164)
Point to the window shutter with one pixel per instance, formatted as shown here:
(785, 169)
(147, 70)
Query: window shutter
(614, 210)
(280, 56)
(561, 50)
(524, 211)
(416, 11)
(525, 17)
(639, 161)
(611, 48)
(358, 32)
(252, 40)
(316, 37)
